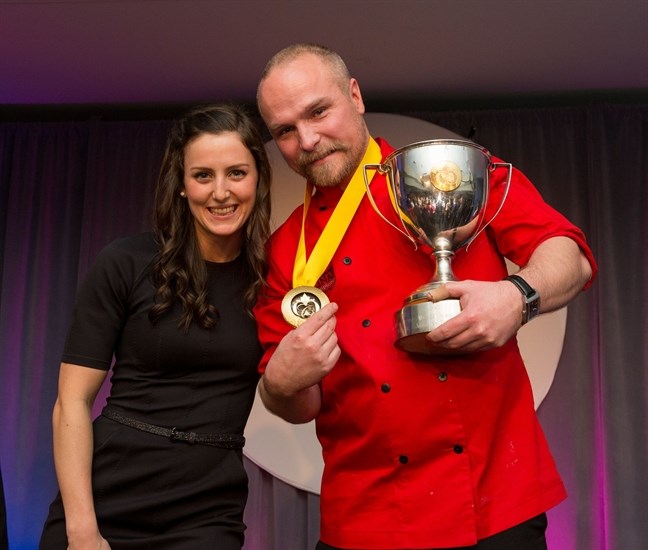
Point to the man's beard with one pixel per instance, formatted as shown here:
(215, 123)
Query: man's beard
(332, 173)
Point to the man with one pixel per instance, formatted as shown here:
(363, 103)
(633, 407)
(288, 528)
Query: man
(420, 451)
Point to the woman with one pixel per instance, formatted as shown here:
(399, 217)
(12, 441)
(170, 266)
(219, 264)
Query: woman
(163, 468)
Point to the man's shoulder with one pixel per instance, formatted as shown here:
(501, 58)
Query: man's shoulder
(385, 147)
(289, 226)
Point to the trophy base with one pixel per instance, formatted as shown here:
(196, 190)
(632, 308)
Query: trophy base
(415, 320)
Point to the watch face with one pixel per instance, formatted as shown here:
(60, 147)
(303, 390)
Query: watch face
(534, 307)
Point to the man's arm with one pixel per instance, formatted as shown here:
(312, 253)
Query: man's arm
(492, 311)
(289, 386)
(297, 408)
(558, 270)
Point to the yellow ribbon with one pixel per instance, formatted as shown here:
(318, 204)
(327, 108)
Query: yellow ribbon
(307, 273)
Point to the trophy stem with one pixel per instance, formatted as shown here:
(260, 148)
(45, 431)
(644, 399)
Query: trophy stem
(443, 274)
(419, 315)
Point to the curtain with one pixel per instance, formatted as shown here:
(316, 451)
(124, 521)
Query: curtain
(69, 188)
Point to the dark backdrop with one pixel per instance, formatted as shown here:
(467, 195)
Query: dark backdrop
(68, 187)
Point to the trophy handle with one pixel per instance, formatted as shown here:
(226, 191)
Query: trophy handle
(492, 167)
(383, 170)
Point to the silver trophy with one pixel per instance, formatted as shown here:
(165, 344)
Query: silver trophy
(440, 191)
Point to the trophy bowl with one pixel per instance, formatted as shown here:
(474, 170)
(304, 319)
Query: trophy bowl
(440, 191)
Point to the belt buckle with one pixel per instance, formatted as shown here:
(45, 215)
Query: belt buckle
(176, 435)
(173, 436)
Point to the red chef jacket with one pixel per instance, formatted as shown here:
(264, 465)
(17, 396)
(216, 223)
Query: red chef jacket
(419, 451)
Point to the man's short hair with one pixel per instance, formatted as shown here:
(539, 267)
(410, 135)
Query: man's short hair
(290, 53)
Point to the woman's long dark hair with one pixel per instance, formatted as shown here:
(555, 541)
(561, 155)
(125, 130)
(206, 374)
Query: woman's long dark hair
(179, 271)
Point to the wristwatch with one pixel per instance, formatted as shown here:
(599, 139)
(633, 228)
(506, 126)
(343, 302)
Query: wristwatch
(530, 295)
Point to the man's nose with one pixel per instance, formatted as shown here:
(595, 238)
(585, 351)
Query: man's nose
(308, 137)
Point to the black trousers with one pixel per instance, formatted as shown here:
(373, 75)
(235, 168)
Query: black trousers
(529, 535)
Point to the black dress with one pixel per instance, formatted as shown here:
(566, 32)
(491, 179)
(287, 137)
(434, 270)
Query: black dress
(150, 491)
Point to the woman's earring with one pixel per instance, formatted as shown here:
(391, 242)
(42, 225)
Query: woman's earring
(183, 194)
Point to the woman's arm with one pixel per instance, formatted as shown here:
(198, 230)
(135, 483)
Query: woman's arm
(73, 444)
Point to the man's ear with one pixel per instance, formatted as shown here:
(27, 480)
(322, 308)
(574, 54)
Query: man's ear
(356, 96)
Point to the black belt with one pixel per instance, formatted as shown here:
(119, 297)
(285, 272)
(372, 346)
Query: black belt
(225, 441)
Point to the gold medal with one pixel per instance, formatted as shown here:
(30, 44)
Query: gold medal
(305, 299)
(302, 302)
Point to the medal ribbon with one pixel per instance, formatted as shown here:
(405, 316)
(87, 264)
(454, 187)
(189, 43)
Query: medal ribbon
(308, 272)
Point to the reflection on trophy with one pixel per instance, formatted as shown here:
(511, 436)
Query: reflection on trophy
(440, 191)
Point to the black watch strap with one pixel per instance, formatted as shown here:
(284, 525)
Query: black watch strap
(530, 295)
